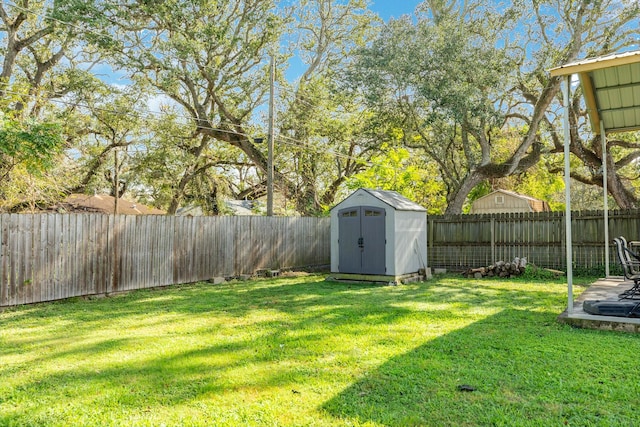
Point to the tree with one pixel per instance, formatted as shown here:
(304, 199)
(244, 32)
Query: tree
(160, 166)
(322, 125)
(31, 144)
(209, 58)
(44, 64)
(113, 129)
(30, 141)
(593, 29)
(445, 80)
(393, 168)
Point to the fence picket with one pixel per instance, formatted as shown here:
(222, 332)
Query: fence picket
(45, 257)
(459, 241)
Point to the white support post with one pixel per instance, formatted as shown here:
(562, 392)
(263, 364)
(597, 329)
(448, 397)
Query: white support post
(272, 73)
(567, 191)
(605, 190)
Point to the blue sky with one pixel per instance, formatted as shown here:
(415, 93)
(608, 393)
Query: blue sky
(393, 8)
(386, 9)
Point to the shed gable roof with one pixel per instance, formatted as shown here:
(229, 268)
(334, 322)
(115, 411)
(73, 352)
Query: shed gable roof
(395, 200)
(391, 198)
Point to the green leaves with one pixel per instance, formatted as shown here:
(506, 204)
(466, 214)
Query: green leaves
(395, 169)
(462, 87)
(444, 67)
(30, 143)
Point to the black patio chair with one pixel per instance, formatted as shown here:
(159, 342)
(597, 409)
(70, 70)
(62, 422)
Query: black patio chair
(632, 257)
(630, 262)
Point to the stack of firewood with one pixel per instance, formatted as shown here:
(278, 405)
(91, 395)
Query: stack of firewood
(500, 269)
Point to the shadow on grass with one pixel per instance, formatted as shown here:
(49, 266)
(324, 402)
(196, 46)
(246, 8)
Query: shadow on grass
(307, 301)
(513, 368)
(237, 298)
(303, 315)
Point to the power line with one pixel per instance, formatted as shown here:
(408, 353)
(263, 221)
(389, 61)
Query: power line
(291, 141)
(281, 138)
(150, 115)
(134, 114)
(296, 143)
(10, 3)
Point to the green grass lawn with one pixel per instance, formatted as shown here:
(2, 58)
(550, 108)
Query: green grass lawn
(300, 351)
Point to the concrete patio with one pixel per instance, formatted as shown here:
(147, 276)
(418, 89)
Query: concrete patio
(606, 289)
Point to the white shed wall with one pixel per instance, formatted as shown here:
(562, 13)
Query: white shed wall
(390, 247)
(410, 242)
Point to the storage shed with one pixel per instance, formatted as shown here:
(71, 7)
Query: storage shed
(503, 201)
(379, 233)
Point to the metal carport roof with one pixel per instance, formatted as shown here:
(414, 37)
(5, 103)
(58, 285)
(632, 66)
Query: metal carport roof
(611, 87)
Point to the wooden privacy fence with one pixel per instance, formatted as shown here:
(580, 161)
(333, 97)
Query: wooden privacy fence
(458, 242)
(45, 257)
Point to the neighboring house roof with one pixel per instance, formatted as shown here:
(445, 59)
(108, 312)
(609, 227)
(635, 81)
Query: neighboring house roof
(536, 205)
(241, 207)
(518, 195)
(235, 207)
(189, 210)
(391, 198)
(105, 204)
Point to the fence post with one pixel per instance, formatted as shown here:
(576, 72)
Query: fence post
(493, 239)
(430, 251)
(115, 237)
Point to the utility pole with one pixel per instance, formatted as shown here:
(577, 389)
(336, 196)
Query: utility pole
(115, 278)
(272, 77)
(115, 180)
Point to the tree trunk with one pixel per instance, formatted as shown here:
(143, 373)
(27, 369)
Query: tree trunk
(178, 194)
(456, 202)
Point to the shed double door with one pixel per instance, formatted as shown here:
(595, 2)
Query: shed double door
(361, 240)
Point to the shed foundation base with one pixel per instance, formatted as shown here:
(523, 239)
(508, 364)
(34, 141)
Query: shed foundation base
(374, 278)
